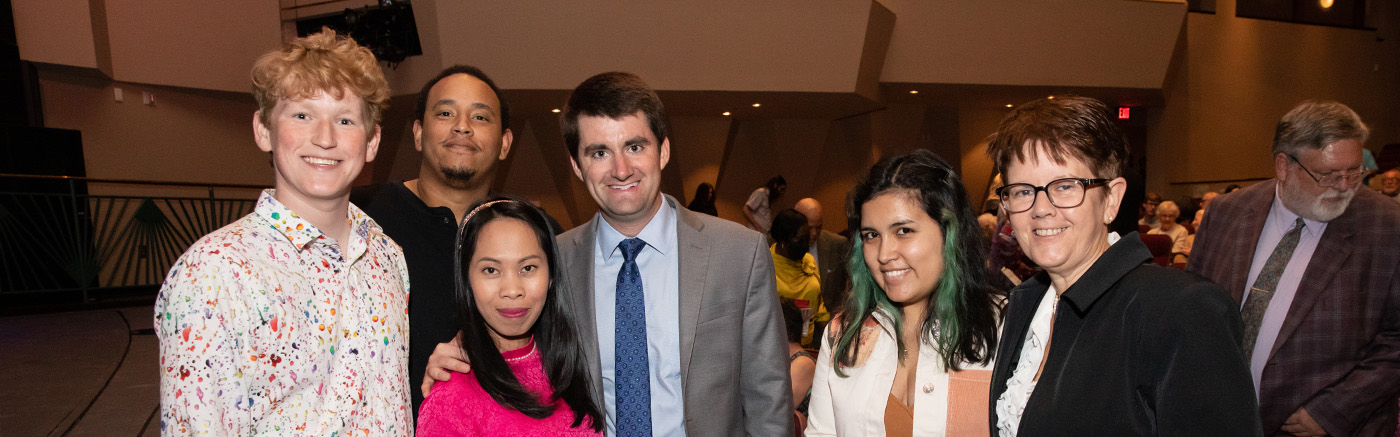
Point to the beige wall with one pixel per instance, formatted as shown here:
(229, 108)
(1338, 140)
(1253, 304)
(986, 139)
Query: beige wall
(187, 136)
(1240, 75)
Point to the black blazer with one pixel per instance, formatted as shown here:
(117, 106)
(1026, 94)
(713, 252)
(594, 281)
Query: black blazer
(1137, 349)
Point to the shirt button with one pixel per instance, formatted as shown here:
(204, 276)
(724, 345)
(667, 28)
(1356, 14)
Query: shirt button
(928, 388)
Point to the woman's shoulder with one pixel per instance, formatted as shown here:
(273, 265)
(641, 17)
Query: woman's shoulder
(1173, 287)
(871, 329)
(452, 404)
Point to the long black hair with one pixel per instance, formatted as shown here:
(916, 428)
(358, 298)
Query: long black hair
(555, 335)
(963, 311)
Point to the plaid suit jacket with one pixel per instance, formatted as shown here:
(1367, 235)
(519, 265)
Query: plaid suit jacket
(1338, 351)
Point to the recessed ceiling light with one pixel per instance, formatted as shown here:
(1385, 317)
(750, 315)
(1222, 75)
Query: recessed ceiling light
(555, 110)
(726, 113)
(756, 105)
(913, 91)
(1325, 3)
(1008, 105)
(1051, 97)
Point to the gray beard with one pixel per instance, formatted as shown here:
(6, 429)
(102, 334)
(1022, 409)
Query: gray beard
(1312, 208)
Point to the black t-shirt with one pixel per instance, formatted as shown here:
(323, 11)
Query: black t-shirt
(428, 235)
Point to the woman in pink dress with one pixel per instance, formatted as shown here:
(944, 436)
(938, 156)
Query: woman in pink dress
(528, 374)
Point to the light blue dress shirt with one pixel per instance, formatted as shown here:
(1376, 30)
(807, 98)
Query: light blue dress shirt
(1279, 222)
(659, 263)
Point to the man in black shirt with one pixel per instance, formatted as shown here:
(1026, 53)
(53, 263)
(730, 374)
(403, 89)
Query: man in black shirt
(461, 130)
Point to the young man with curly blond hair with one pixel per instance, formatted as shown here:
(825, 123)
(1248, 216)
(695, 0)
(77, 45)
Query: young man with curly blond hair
(292, 320)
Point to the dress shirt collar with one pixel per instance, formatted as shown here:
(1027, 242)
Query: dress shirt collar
(301, 233)
(1281, 218)
(659, 233)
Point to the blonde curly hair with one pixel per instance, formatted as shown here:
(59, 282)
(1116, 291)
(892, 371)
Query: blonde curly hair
(322, 62)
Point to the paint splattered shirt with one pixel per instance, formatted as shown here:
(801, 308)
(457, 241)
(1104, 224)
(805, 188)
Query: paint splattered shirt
(267, 327)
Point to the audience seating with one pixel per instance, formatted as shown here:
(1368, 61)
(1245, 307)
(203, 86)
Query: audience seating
(1161, 248)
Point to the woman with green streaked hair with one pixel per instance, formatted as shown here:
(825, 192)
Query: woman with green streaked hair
(912, 352)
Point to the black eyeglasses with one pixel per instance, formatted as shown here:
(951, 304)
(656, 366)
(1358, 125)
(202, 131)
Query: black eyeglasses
(1331, 179)
(1062, 193)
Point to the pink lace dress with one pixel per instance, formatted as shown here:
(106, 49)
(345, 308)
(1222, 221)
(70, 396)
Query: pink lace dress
(459, 407)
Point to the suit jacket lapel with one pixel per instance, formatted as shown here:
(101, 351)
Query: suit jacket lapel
(1247, 228)
(579, 260)
(694, 266)
(1332, 251)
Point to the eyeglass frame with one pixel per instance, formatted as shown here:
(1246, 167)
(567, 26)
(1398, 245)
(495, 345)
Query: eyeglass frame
(1359, 173)
(1087, 183)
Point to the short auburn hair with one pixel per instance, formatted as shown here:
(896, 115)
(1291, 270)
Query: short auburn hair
(1064, 128)
(322, 62)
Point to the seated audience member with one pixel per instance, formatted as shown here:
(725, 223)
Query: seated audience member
(759, 208)
(988, 219)
(1230, 188)
(1206, 198)
(704, 200)
(801, 363)
(1167, 213)
(1390, 184)
(796, 270)
(912, 352)
(292, 320)
(1149, 211)
(1191, 240)
(830, 250)
(529, 375)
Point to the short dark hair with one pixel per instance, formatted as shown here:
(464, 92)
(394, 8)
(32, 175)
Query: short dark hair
(786, 224)
(775, 181)
(555, 332)
(614, 95)
(467, 70)
(1066, 128)
(1317, 124)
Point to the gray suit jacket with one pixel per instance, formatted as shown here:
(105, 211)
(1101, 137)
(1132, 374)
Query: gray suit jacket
(832, 250)
(734, 370)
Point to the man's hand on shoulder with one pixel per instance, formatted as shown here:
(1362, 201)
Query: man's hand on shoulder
(447, 358)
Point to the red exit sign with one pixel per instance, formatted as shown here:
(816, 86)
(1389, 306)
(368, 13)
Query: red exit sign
(1123, 112)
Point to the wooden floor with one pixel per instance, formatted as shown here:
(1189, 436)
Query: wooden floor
(79, 374)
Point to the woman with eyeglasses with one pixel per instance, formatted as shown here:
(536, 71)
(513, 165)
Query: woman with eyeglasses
(1102, 342)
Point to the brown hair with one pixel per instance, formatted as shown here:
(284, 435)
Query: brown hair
(322, 62)
(1065, 128)
(614, 95)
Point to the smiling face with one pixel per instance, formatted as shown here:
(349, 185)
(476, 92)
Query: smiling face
(620, 161)
(903, 248)
(461, 135)
(510, 280)
(1063, 241)
(318, 145)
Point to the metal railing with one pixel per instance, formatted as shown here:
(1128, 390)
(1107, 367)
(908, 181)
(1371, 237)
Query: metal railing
(57, 238)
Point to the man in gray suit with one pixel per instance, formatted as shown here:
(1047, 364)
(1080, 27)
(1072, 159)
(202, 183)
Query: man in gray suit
(830, 249)
(713, 346)
(677, 310)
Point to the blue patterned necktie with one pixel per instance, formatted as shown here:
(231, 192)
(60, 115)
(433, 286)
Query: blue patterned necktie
(1263, 289)
(633, 378)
